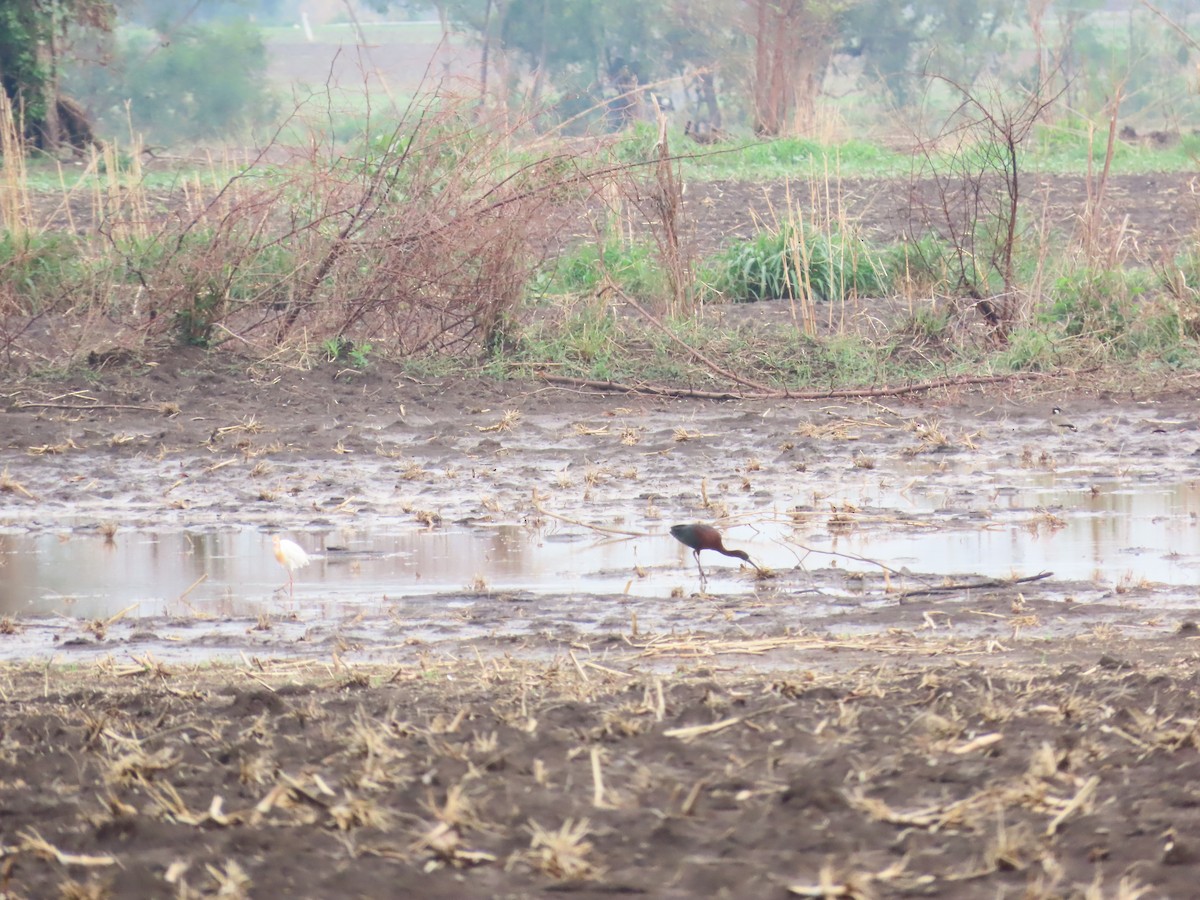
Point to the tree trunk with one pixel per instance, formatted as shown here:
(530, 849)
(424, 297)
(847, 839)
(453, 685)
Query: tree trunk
(539, 75)
(483, 54)
(793, 41)
(708, 95)
(49, 133)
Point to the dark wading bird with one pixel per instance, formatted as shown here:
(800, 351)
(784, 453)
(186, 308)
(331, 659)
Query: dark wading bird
(704, 537)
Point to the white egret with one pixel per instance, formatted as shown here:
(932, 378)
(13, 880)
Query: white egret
(291, 556)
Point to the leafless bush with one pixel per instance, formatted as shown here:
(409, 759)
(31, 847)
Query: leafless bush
(974, 163)
(420, 239)
(658, 198)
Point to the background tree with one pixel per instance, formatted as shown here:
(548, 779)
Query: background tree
(793, 43)
(173, 75)
(897, 42)
(703, 44)
(33, 40)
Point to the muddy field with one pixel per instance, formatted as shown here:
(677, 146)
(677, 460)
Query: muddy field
(807, 733)
(931, 768)
(852, 722)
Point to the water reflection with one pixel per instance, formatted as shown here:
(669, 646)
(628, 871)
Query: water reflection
(1111, 532)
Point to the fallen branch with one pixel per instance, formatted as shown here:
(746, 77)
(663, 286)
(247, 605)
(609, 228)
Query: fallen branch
(1080, 801)
(655, 390)
(959, 586)
(541, 511)
(33, 842)
(75, 407)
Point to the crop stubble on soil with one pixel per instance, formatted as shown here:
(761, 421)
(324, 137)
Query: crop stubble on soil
(981, 766)
(967, 773)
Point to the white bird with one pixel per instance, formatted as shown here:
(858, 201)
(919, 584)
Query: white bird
(291, 556)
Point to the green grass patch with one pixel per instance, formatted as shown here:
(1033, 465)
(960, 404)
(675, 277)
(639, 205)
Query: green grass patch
(794, 263)
(35, 268)
(585, 338)
(634, 268)
(795, 158)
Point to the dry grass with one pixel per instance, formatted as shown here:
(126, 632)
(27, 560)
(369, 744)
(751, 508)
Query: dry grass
(562, 853)
(9, 485)
(979, 766)
(506, 422)
(417, 241)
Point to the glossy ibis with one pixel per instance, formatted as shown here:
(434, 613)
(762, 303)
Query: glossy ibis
(699, 537)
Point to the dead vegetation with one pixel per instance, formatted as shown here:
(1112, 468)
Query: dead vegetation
(419, 235)
(958, 778)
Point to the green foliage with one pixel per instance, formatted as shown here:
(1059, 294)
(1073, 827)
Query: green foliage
(27, 72)
(204, 275)
(197, 317)
(1029, 350)
(791, 263)
(585, 338)
(580, 270)
(839, 359)
(894, 39)
(926, 325)
(22, 27)
(1125, 315)
(342, 349)
(639, 143)
(923, 265)
(209, 81)
(35, 268)
(1064, 148)
(1099, 304)
(577, 337)
(792, 157)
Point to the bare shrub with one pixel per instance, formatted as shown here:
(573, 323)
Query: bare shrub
(974, 163)
(658, 198)
(418, 239)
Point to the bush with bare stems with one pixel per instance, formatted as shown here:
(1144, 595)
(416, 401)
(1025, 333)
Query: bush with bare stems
(978, 188)
(418, 239)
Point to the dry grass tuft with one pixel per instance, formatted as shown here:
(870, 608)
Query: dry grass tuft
(562, 853)
(140, 767)
(508, 420)
(54, 449)
(9, 485)
(359, 812)
(854, 885)
(257, 769)
(583, 430)
(230, 880)
(427, 517)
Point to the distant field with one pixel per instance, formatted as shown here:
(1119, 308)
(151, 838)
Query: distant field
(398, 56)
